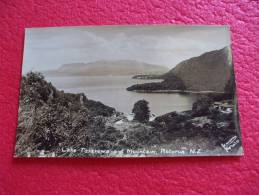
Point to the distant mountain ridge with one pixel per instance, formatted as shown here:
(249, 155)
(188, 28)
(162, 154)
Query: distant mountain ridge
(211, 71)
(107, 67)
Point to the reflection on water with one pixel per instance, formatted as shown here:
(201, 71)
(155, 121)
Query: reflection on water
(111, 90)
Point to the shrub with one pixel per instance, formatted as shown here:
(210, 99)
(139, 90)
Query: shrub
(141, 111)
(201, 106)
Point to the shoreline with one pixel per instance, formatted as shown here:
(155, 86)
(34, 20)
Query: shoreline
(177, 91)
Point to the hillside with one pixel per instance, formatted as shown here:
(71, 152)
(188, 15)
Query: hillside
(107, 67)
(50, 120)
(210, 71)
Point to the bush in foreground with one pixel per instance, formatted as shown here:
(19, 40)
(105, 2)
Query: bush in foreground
(141, 111)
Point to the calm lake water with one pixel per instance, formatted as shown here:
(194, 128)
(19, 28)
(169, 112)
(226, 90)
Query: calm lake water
(111, 90)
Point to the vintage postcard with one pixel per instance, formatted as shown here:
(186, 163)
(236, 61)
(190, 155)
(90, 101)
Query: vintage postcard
(128, 91)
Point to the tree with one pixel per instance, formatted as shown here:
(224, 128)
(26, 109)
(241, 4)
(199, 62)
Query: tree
(141, 111)
(201, 106)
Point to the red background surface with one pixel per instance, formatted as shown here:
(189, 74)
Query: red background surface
(216, 175)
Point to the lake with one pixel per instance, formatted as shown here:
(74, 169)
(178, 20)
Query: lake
(111, 91)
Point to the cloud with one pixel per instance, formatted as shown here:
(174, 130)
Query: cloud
(49, 48)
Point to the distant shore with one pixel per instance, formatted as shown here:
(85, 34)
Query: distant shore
(177, 91)
(148, 77)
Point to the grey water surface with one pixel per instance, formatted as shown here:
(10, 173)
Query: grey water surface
(111, 91)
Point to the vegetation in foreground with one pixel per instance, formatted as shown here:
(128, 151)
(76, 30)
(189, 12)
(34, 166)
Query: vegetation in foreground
(141, 111)
(50, 119)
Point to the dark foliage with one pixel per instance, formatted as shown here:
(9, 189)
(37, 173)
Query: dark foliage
(141, 111)
(201, 106)
(35, 89)
(98, 108)
(169, 83)
(204, 120)
(50, 119)
(142, 136)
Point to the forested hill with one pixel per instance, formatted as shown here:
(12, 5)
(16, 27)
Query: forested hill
(208, 72)
(211, 71)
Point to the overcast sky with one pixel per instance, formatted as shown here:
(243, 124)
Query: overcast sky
(49, 48)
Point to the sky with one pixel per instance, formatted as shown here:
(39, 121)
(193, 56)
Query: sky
(166, 45)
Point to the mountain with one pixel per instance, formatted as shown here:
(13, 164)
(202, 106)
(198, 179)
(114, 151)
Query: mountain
(207, 72)
(211, 71)
(107, 67)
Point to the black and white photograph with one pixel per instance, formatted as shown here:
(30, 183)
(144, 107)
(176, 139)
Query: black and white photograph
(128, 91)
